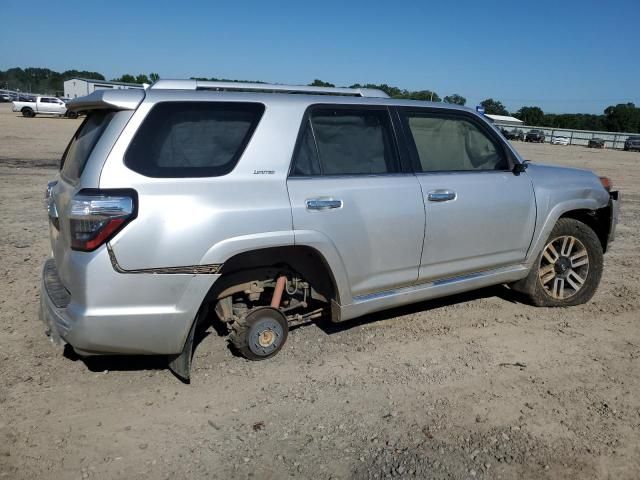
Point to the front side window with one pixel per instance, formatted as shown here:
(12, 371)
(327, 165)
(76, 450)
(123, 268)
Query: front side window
(346, 141)
(452, 143)
(192, 139)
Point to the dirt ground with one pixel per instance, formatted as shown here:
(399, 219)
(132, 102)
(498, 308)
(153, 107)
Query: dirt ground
(473, 386)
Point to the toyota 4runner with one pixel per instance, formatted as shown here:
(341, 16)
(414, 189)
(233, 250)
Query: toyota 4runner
(264, 206)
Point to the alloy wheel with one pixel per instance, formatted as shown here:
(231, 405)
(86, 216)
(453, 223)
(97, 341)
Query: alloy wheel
(564, 266)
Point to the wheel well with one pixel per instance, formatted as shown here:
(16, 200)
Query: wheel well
(597, 220)
(26, 108)
(305, 261)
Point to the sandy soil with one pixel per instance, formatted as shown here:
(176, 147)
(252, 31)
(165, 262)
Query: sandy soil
(474, 386)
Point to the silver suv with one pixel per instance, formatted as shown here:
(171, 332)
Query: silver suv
(261, 206)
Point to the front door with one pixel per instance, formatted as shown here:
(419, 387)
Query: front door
(346, 185)
(479, 214)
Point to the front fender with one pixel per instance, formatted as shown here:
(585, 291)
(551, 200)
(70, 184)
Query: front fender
(559, 190)
(552, 217)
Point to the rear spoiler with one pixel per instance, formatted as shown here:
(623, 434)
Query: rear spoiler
(125, 99)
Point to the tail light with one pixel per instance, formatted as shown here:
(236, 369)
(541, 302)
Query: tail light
(606, 183)
(97, 215)
(50, 203)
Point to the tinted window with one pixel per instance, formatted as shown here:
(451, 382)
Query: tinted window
(306, 162)
(192, 139)
(453, 144)
(346, 141)
(82, 143)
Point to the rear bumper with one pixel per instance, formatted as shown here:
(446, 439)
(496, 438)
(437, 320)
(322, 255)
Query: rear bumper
(614, 205)
(51, 314)
(116, 313)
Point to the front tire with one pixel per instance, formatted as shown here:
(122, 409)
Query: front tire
(567, 271)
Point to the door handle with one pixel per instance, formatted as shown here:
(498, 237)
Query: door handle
(323, 204)
(441, 195)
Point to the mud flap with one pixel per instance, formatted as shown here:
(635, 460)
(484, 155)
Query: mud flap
(180, 366)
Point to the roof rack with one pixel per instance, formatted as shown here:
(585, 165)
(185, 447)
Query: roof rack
(265, 87)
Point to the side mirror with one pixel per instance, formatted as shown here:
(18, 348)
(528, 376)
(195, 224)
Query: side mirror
(519, 168)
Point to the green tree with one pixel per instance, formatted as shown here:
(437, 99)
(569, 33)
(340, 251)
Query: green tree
(142, 78)
(41, 80)
(320, 83)
(126, 78)
(395, 92)
(531, 115)
(623, 117)
(456, 99)
(424, 95)
(494, 107)
(154, 77)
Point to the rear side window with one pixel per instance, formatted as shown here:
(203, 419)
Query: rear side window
(346, 141)
(77, 153)
(449, 143)
(192, 139)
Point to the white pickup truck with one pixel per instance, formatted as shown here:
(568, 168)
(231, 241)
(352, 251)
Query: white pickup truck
(43, 106)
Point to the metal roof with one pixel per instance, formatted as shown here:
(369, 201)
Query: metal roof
(106, 82)
(265, 87)
(126, 99)
(503, 118)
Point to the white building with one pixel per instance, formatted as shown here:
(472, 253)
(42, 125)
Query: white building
(79, 87)
(504, 120)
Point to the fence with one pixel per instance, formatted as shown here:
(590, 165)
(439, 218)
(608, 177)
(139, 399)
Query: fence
(578, 137)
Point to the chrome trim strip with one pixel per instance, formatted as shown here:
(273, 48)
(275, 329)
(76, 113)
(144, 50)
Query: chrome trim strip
(188, 269)
(434, 283)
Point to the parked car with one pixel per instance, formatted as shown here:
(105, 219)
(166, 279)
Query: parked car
(536, 136)
(192, 201)
(596, 143)
(560, 140)
(42, 106)
(5, 97)
(632, 143)
(515, 134)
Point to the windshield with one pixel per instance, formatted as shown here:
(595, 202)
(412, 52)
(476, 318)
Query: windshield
(77, 153)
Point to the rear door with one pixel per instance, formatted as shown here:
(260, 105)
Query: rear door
(346, 184)
(479, 214)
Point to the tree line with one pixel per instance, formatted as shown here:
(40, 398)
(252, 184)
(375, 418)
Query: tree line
(623, 117)
(41, 80)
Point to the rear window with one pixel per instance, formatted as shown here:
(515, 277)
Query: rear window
(77, 153)
(193, 139)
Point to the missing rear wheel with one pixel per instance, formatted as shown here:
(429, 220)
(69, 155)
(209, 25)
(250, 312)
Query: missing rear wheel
(261, 334)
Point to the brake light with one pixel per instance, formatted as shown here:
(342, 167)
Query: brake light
(606, 183)
(97, 215)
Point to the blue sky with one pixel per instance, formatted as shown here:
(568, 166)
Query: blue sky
(564, 56)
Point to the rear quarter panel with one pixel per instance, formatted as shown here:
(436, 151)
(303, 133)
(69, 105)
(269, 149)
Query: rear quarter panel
(191, 221)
